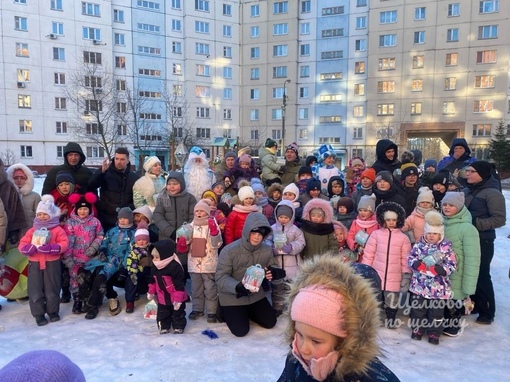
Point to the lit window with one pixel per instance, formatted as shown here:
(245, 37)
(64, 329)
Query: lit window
(449, 107)
(416, 85)
(450, 83)
(22, 49)
(359, 89)
(482, 130)
(385, 109)
(415, 108)
(482, 106)
(120, 62)
(486, 81)
(418, 62)
(386, 87)
(358, 111)
(451, 59)
(334, 76)
(486, 57)
(25, 126)
(24, 101)
(387, 63)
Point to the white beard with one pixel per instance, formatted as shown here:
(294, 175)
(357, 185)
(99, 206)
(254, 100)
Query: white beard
(198, 179)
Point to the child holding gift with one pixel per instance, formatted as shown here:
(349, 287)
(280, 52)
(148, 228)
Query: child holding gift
(363, 226)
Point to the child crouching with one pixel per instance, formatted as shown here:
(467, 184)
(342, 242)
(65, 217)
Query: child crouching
(167, 287)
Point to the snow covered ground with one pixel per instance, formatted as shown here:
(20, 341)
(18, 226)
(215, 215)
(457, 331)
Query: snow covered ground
(128, 348)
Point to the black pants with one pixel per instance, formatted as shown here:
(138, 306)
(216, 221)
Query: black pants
(237, 317)
(167, 317)
(427, 315)
(485, 302)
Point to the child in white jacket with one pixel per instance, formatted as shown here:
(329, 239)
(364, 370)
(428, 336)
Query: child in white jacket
(288, 254)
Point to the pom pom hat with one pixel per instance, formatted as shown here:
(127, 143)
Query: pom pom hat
(294, 147)
(455, 199)
(150, 162)
(47, 206)
(292, 188)
(434, 224)
(80, 201)
(270, 143)
(142, 232)
(202, 206)
(384, 175)
(245, 192)
(367, 202)
(425, 195)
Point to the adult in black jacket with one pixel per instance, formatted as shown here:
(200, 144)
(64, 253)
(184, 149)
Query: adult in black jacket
(387, 156)
(115, 181)
(487, 206)
(73, 164)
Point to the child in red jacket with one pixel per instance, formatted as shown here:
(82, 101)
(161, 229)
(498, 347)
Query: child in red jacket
(43, 244)
(244, 204)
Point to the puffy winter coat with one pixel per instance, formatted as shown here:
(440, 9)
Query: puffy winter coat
(319, 237)
(451, 164)
(466, 245)
(235, 222)
(270, 167)
(57, 236)
(386, 251)
(83, 233)
(12, 204)
(209, 262)
(235, 259)
(415, 222)
(292, 169)
(382, 163)
(3, 225)
(357, 225)
(292, 260)
(173, 210)
(146, 190)
(117, 245)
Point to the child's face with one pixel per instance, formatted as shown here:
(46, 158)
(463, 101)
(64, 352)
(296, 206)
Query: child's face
(138, 217)
(259, 194)
(357, 167)
(316, 217)
(390, 223)
(449, 209)
(329, 160)
(276, 195)
(213, 202)
(366, 182)
(342, 210)
(282, 219)
(411, 180)
(383, 185)
(425, 205)
(256, 238)
(82, 212)
(430, 169)
(305, 176)
(289, 196)
(313, 343)
(439, 187)
(337, 189)
(123, 221)
(64, 188)
(314, 193)
(155, 255)
(218, 190)
(200, 214)
(364, 213)
(432, 237)
(43, 216)
(248, 202)
(173, 187)
(141, 242)
(244, 165)
(340, 235)
(452, 187)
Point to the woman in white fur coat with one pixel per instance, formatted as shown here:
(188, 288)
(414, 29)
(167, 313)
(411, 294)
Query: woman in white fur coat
(147, 188)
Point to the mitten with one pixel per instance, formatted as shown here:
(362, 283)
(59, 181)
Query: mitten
(241, 290)
(49, 249)
(102, 257)
(181, 245)
(277, 273)
(177, 305)
(213, 227)
(28, 249)
(150, 296)
(90, 251)
(282, 169)
(275, 251)
(439, 270)
(287, 248)
(429, 260)
(134, 278)
(419, 266)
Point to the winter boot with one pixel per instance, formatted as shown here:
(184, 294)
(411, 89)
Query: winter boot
(77, 305)
(92, 312)
(433, 339)
(195, 315)
(130, 307)
(41, 320)
(211, 318)
(54, 317)
(114, 305)
(391, 318)
(65, 281)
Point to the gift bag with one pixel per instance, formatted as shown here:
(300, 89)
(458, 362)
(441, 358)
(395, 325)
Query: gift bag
(253, 278)
(186, 231)
(361, 237)
(41, 236)
(151, 310)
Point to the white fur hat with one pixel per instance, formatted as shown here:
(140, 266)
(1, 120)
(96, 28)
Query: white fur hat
(434, 223)
(245, 192)
(149, 162)
(47, 206)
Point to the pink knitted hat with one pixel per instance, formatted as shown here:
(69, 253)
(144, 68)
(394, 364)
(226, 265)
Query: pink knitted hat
(321, 308)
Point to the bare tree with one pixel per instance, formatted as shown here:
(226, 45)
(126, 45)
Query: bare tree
(94, 91)
(8, 157)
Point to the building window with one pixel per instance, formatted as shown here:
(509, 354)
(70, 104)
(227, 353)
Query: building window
(227, 30)
(55, 5)
(489, 6)
(118, 16)
(450, 83)
(330, 98)
(451, 59)
(177, 90)
(89, 33)
(148, 94)
(59, 78)
(254, 115)
(90, 9)
(358, 111)
(227, 72)
(449, 107)
(148, 4)
(280, 72)
(92, 105)
(255, 52)
(419, 13)
(227, 10)
(254, 11)
(387, 63)
(26, 151)
(120, 62)
(152, 116)
(280, 7)
(333, 11)
(177, 69)
(119, 39)
(254, 135)
(303, 92)
(388, 17)
(254, 74)
(201, 48)
(330, 119)
(452, 35)
(203, 132)
(20, 23)
(386, 87)
(357, 152)
(482, 106)
(92, 58)
(482, 130)
(332, 55)
(329, 139)
(176, 47)
(201, 27)
(280, 50)
(276, 134)
(20, 1)
(359, 89)
(385, 109)
(304, 71)
(227, 93)
(387, 40)
(357, 133)
(359, 67)
(255, 32)
(23, 75)
(202, 5)
(202, 91)
(176, 4)
(304, 28)
(59, 54)
(57, 28)
(303, 133)
(60, 127)
(25, 126)
(148, 27)
(416, 85)
(149, 50)
(334, 76)
(453, 10)
(93, 128)
(280, 29)
(361, 22)
(304, 50)
(227, 52)
(24, 101)
(176, 25)
(203, 70)
(485, 81)
(486, 57)
(418, 62)
(254, 94)
(303, 113)
(227, 113)
(95, 152)
(60, 151)
(415, 108)
(361, 45)
(306, 6)
(419, 37)
(22, 49)
(487, 32)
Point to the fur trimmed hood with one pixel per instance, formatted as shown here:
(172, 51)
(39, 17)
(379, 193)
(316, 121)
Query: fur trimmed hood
(390, 206)
(360, 308)
(29, 184)
(318, 203)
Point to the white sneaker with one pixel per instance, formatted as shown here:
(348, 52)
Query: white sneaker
(114, 306)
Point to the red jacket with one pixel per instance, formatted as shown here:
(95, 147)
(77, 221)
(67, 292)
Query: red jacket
(235, 222)
(58, 236)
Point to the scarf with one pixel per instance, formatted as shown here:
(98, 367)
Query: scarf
(160, 264)
(245, 209)
(422, 210)
(200, 221)
(365, 224)
(48, 224)
(319, 368)
(262, 201)
(317, 228)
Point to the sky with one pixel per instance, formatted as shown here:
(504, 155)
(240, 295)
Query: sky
(128, 347)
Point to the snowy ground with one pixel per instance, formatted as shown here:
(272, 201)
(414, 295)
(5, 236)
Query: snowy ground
(128, 348)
